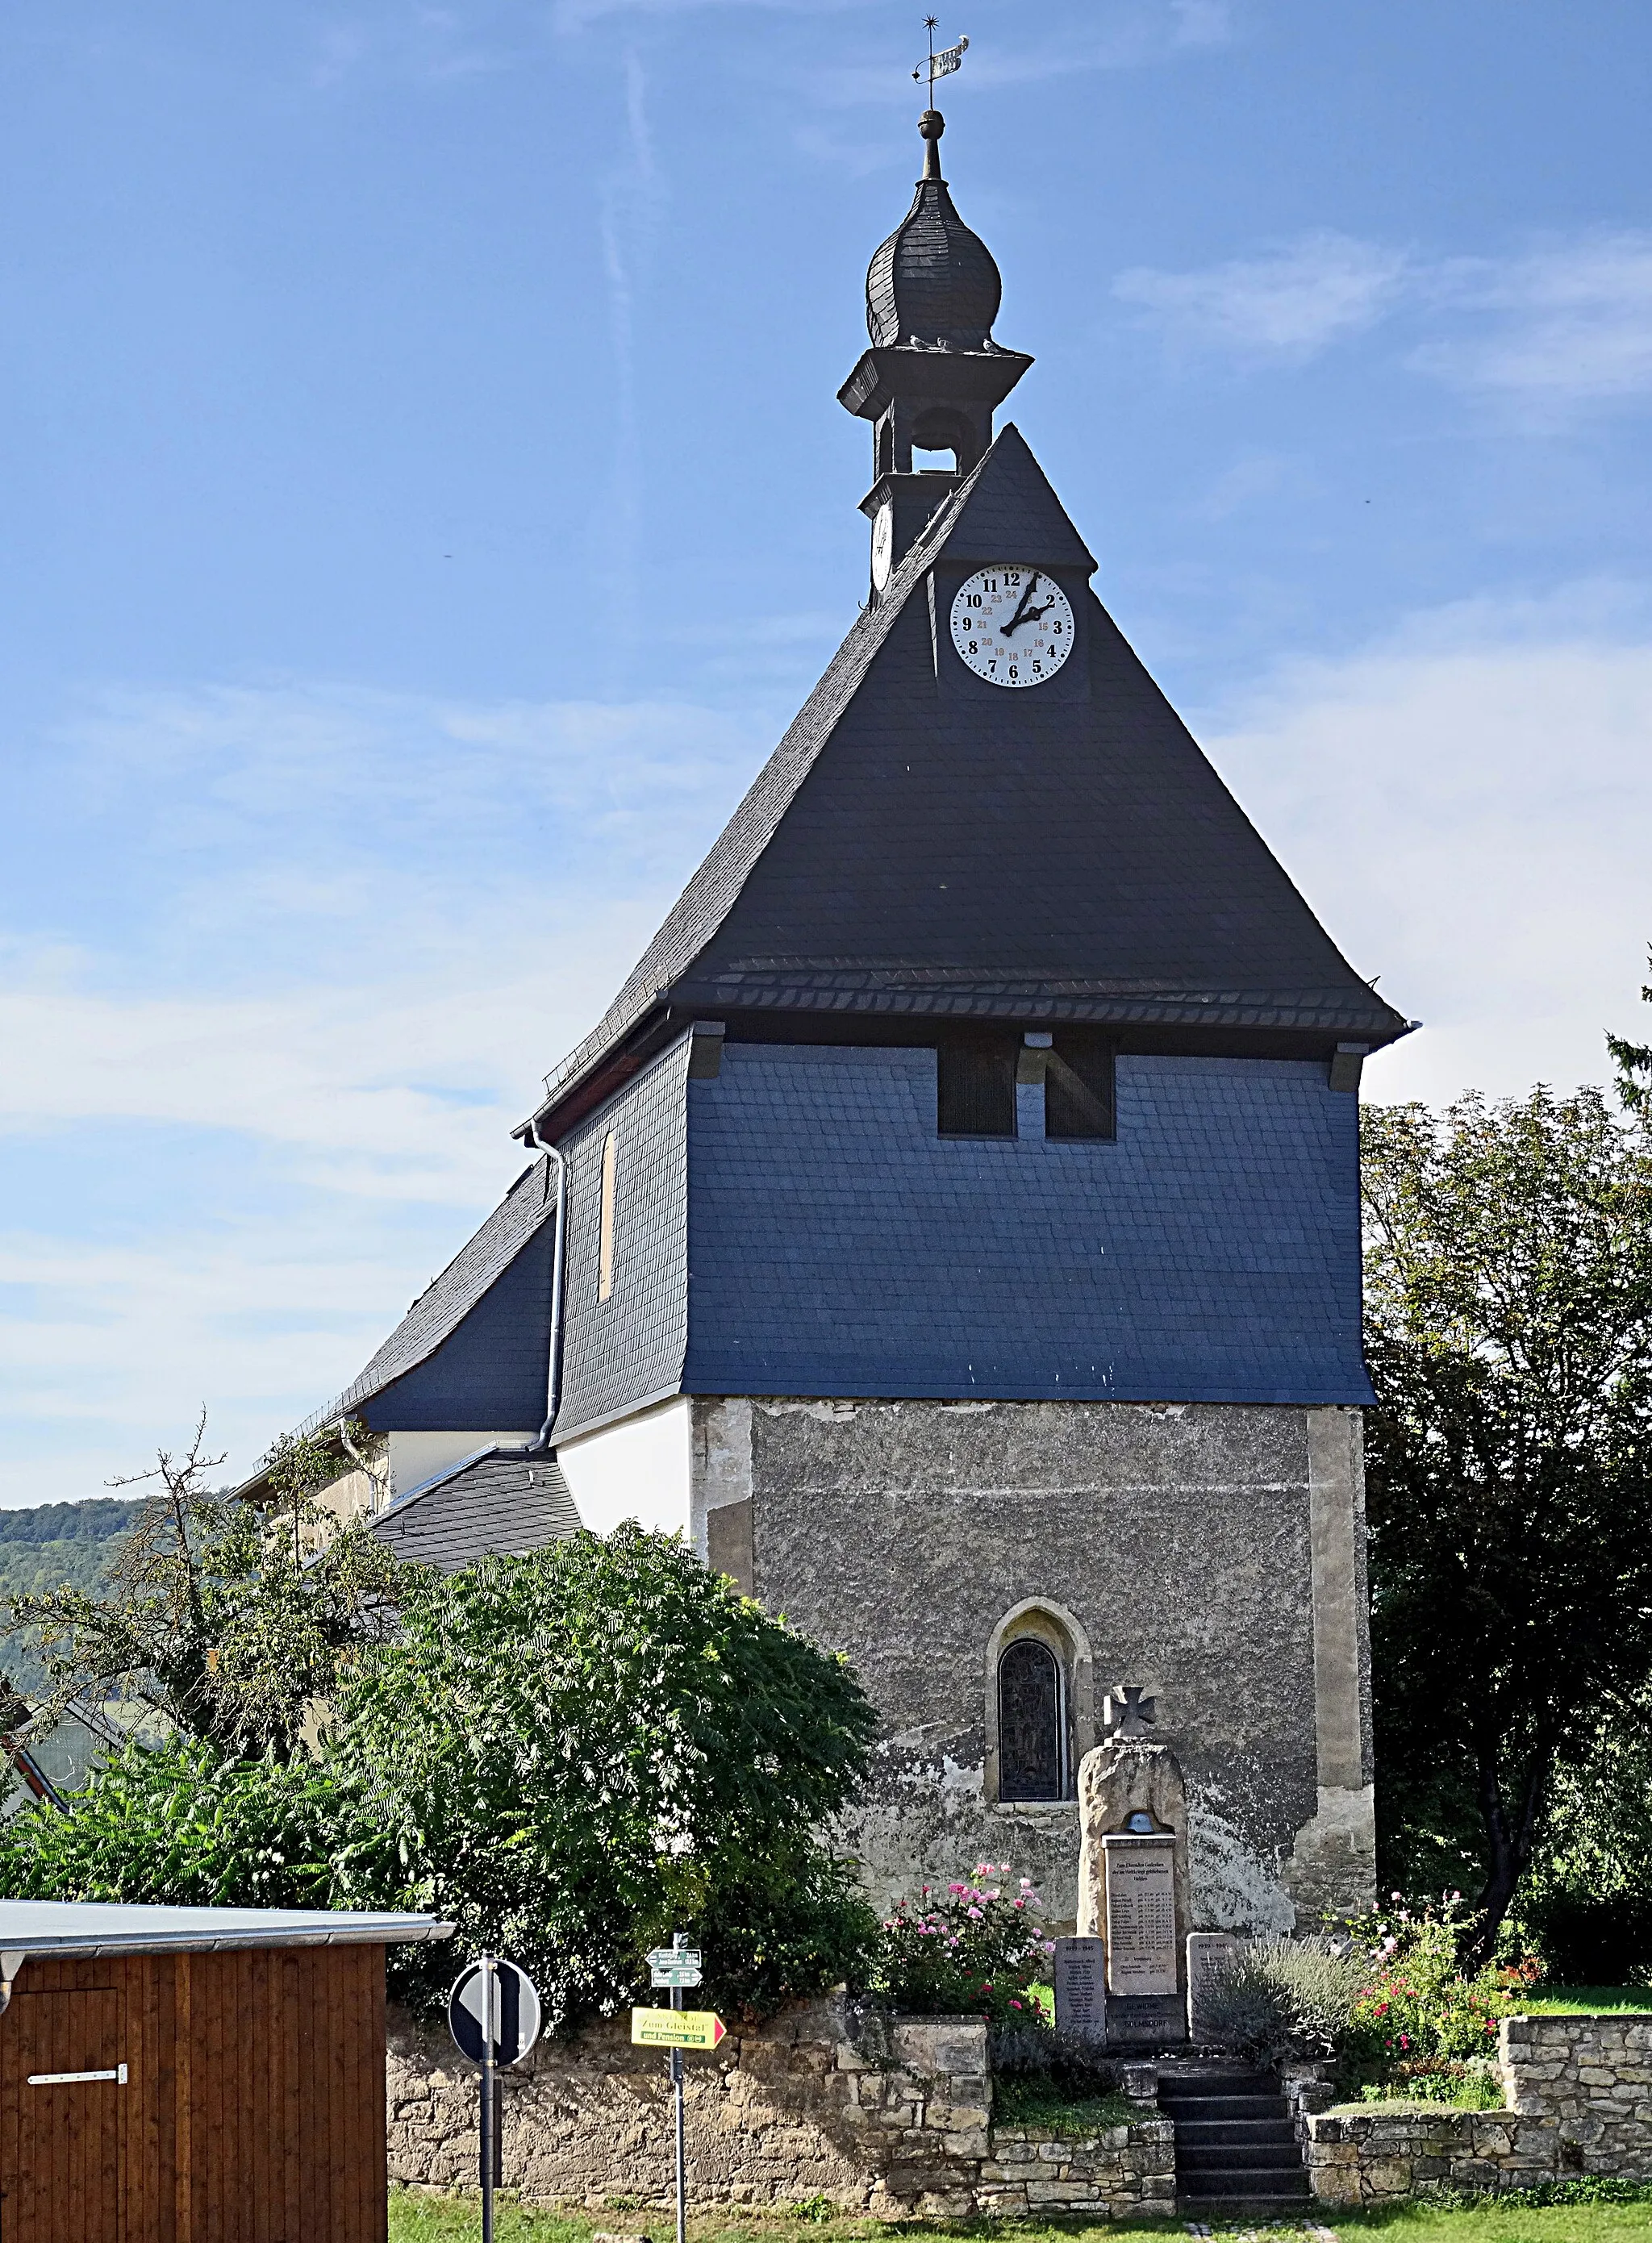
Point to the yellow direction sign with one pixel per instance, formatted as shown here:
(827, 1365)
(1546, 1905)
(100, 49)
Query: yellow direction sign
(676, 2028)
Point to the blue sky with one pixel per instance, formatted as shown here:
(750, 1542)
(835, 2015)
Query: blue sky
(423, 501)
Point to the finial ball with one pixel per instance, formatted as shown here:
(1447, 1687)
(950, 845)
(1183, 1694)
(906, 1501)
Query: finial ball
(932, 124)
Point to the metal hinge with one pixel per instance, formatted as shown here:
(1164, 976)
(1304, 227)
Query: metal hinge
(117, 2073)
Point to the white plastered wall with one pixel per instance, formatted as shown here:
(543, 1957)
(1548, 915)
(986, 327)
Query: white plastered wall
(641, 1468)
(414, 1457)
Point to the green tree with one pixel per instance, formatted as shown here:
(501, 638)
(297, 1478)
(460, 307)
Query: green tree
(1633, 1064)
(229, 1620)
(571, 1754)
(1509, 1336)
(575, 1754)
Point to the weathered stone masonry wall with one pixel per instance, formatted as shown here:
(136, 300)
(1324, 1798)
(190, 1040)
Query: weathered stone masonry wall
(1209, 1551)
(1579, 2096)
(888, 2117)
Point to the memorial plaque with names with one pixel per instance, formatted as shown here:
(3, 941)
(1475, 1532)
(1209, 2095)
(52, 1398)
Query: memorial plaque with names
(1140, 1914)
(1080, 1973)
(1207, 1958)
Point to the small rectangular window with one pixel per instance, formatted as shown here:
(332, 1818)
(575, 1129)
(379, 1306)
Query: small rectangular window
(1078, 1087)
(975, 1086)
(605, 1223)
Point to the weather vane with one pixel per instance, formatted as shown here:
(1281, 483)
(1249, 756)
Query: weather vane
(941, 64)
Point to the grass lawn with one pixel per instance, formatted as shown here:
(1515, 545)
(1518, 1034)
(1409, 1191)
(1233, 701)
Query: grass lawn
(1584, 2001)
(427, 2219)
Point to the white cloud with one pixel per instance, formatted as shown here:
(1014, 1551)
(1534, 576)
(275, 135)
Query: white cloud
(325, 944)
(1468, 807)
(1288, 303)
(1570, 322)
(1564, 325)
(362, 926)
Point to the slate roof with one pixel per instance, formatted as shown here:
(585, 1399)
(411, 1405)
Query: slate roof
(529, 1204)
(1017, 856)
(933, 281)
(499, 1500)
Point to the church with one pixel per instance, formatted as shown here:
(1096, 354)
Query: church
(952, 1227)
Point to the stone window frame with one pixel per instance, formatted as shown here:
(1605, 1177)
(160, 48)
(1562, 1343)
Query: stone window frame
(1048, 1622)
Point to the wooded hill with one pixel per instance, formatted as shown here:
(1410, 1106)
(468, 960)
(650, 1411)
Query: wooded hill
(47, 1545)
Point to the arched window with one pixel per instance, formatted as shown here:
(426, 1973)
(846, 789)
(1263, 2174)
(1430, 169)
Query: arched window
(1032, 1722)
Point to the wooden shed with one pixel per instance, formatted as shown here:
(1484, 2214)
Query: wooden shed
(193, 2075)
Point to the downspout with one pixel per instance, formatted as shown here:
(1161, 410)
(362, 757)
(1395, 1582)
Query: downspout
(540, 1444)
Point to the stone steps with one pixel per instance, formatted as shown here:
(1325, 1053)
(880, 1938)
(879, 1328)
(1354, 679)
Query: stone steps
(1236, 2153)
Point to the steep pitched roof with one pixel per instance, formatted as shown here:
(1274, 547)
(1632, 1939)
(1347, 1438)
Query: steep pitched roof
(445, 1303)
(501, 1500)
(914, 848)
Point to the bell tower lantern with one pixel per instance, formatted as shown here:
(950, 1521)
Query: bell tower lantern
(934, 376)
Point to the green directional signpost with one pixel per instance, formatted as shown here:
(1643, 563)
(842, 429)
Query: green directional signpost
(676, 2029)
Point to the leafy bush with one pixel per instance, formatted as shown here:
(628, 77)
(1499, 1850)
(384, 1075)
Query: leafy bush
(577, 1753)
(974, 1949)
(1472, 2085)
(1418, 2015)
(186, 1825)
(571, 1754)
(1280, 1997)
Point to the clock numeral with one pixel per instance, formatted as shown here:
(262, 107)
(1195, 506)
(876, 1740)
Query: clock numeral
(972, 647)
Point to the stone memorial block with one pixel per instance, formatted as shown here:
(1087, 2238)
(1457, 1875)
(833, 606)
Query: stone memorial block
(1080, 1988)
(1207, 1955)
(1141, 1913)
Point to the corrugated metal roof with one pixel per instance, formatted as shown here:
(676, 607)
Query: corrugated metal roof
(63, 1926)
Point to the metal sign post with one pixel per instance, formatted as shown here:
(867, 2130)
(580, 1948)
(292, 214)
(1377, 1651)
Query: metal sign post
(493, 2016)
(676, 1966)
(680, 1942)
(489, 2043)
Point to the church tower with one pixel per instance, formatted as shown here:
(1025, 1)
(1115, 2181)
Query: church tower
(952, 1228)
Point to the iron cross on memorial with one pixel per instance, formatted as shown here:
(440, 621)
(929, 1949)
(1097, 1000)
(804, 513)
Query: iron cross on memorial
(1130, 1711)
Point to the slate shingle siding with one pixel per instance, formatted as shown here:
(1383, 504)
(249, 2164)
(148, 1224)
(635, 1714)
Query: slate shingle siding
(618, 1351)
(839, 1246)
(476, 1337)
(502, 1502)
(1082, 845)
(492, 1369)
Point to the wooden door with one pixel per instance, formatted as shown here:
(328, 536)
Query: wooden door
(60, 2137)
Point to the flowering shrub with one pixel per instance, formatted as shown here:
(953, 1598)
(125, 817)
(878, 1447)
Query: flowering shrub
(966, 1948)
(1420, 2024)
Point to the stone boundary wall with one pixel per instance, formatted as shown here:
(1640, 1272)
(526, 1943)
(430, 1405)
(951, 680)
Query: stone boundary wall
(1578, 2092)
(889, 2116)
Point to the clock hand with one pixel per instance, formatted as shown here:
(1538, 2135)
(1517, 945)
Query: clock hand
(1019, 617)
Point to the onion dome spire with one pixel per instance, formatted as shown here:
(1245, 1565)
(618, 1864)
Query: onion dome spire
(933, 284)
(933, 376)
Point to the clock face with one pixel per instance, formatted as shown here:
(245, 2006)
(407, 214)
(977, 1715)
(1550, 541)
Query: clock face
(1012, 625)
(883, 544)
